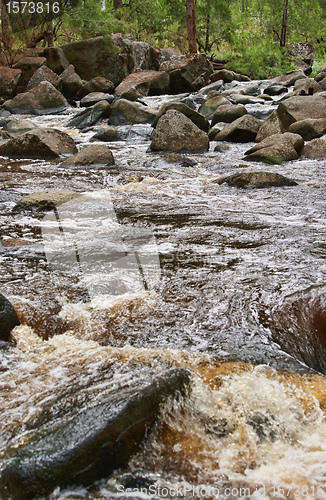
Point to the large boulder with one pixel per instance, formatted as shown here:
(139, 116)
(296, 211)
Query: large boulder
(229, 76)
(288, 79)
(304, 54)
(125, 112)
(8, 318)
(99, 57)
(45, 200)
(143, 56)
(39, 143)
(56, 59)
(143, 83)
(227, 113)
(91, 115)
(94, 442)
(9, 79)
(277, 148)
(315, 149)
(257, 180)
(28, 66)
(97, 84)
(42, 99)
(43, 74)
(299, 108)
(70, 82)
(270, 126)
(243, 129)
(176, 132)
(211, 104)
(309, 128)
(188, 73)
(306, 86)
(91, 155)
(197, 118)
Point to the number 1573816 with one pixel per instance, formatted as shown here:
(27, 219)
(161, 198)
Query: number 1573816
(33, 7)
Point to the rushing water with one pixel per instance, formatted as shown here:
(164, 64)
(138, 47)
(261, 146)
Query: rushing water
(239, 300)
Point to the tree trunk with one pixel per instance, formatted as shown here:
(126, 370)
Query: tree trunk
(191, 26)
(207, 46)
(5, 27)
(117, 4)
(284, 24)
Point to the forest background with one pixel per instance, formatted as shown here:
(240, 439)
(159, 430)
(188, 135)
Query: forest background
(251, 36)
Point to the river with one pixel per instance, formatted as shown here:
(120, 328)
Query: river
(238, 297)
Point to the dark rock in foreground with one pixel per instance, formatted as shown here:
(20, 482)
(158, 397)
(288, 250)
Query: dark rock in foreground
(92, 444)
(8, 318)
(257, 180)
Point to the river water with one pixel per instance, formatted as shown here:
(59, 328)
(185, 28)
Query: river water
(238, 297)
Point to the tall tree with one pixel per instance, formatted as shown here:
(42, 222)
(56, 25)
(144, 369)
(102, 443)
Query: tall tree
(191, 26)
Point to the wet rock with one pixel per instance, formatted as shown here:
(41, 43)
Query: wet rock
(143, 83)
(210, 105)
(28, 66)
(97, 84)
(181, 160)
(95, 97)
(43, 74)
(270, 126)
(228, 76)
(217, 86)
(8, 318)
(125, 112)
(277, 148)
(45, 200)
(91, 155)
(39, 143)
(243, 129)
(215, 130)
(221, 147)
(227, 113)
(197, 118)
(93, 443)
(315, 149)
(17, 125)
(257, 180)
(90, 115)
(106, 134)
(299, 108)
(99, 57)
(246, 99)
(56, 59)
(40, 100)
(70, 82)
(321, 73)
(309, 129)
(188, 73)
(9, 79)
(176, 132)
(276, 89)
(288, 79)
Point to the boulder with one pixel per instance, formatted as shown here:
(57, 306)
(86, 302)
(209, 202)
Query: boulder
(94, 442)
(306, 85)
(97, 84)
(8, 318)
(322, 83)
(42, 99)
(257, 180)
(106, 134)
(210, 105)
(197, 118)
(276, 89)
(5, 135)
(95, 97)
(168, 54)
(227, 113)
(43, 74)
(125, 112)
(315, 149)
(228, 76)
(243, 129)
(277, 148)
(270, 127)
(91, 155)
(188, 73)
(302, 52)
(176, 132)
(218, 86)
(89, 116)
(56, 59)
(45, 200)
(299, 108)
(99, 57)
(288, 79)
(39, 143)
(309, 128)
(70, 82)
(143, 56)
(18, 126)
(129, 133)
(143, 83)
(9, 79)
(28, 66)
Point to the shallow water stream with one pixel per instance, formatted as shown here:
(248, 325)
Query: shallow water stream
(237, 296)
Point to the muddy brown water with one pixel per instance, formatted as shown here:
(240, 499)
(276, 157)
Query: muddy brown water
(240, 301)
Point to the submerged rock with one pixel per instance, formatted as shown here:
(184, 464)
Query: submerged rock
(91, 155)
(257, 180)
(8, 318)
(93, 443)
(176, 132)
(39, 143)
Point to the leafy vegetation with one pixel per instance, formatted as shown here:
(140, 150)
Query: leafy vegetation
(251, 34)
